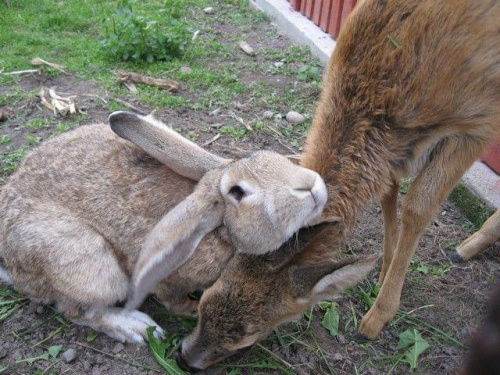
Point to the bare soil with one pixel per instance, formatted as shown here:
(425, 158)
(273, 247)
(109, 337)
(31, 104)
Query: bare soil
(453, 303)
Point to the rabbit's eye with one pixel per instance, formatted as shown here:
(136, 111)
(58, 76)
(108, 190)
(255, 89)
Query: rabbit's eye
(237, 192)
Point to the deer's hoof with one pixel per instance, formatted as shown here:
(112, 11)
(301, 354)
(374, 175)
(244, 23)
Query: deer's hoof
(455, 257)
(360, 338)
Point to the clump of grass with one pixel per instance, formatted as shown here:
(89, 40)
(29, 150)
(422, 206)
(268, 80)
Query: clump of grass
(4, 139)
(11, 161)
(10, 302)
(471, 205)
(132, 36)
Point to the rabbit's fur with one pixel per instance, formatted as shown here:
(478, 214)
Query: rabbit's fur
(89, 217)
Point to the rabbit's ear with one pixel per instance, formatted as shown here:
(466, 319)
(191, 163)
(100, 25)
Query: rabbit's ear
(173, 240)
(164, 144)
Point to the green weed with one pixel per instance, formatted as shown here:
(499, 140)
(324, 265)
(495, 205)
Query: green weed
(310, 73)
(232, 131)
(331, 318)
(440, 271)
(405, 185)
(132, 36)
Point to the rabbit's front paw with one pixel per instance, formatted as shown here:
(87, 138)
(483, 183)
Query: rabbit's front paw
(122, 324)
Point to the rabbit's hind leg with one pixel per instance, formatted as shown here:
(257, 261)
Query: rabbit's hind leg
(55, 256)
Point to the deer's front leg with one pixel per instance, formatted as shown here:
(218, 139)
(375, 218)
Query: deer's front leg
(450, 160)
(389, 204)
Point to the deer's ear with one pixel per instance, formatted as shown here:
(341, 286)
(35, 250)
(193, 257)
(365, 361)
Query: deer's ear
(320, 281)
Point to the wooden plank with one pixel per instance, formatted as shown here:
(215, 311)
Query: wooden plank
(309, 8)
(346, 10)
(335, 17)
(325, 14)
(492, 156)
(318, 4)
(303, 6)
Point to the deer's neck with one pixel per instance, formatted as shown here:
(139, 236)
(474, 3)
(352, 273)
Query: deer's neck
(350, 151)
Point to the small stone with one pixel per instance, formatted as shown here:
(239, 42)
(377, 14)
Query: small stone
(209, 10)
(69, 355)
(186, 70)
(278, 116)
(245, 47)
(40, 310)
(268, 114)
(443, 213)
(86, 366)
(338, 357)
(18, 355)
(118, 348)
(341, 339)
(295, 117)
(279, 64)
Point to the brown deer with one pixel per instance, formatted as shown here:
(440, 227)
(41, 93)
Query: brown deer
(479, 241)
(413, 87)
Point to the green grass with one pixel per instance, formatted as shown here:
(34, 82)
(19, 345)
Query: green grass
(11, 160)
(10, 302)
(471, 205)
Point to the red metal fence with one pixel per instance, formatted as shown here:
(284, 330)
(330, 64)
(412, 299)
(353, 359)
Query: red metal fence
(329, 15)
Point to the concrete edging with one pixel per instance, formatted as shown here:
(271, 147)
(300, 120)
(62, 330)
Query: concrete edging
(297, 27)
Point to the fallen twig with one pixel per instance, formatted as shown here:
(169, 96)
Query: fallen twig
(39, 61)
(166, 84)
(130, 106)
(211, 140)
(240, 120)
(20, 72)
(275, 356)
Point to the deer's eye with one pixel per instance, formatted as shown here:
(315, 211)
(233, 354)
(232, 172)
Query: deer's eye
(237, 192)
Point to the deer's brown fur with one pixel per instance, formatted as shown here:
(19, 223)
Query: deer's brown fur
(412, 87)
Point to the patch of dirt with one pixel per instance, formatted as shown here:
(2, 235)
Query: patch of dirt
(453, 303)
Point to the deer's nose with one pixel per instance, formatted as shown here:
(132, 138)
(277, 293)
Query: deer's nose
(183, 364)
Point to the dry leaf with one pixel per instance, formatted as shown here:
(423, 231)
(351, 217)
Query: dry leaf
(130, 85)
(6, 113)
(59, 104)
